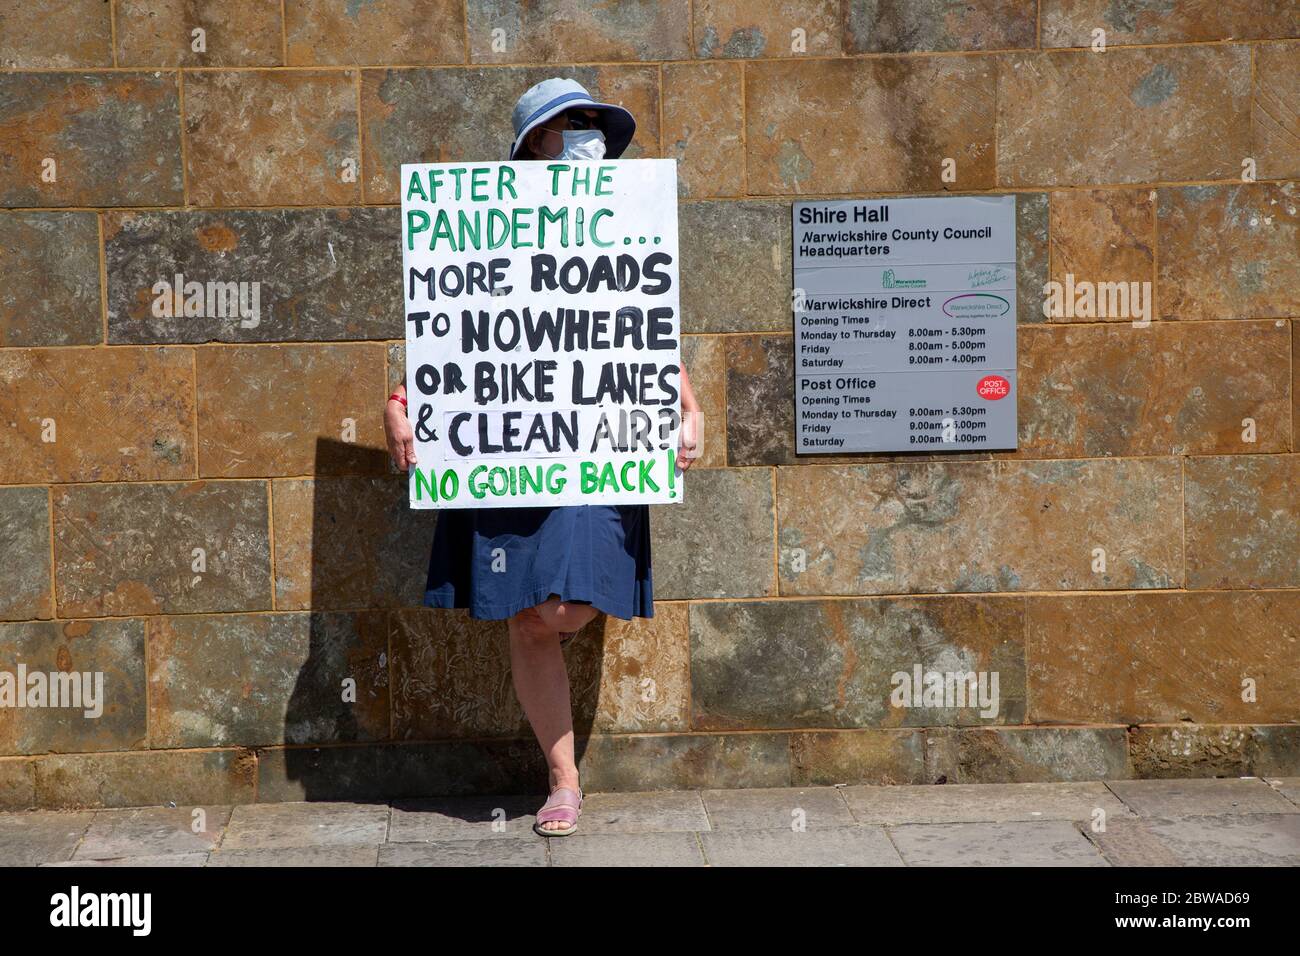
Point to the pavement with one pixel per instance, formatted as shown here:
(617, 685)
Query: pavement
(1221, 822)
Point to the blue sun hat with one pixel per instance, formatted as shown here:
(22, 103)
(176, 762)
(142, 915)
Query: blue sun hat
(556, 95)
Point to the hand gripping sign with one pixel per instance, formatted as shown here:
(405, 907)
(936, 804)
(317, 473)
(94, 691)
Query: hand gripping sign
(543, 356)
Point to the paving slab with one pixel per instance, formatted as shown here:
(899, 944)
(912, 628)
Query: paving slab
(982, 802)
(463, 818)
(152, 831)
(335, 855)
(626, 849)
(260, 826)
(1289, 787)
(1258, 839)
(1046, 843)
(30, 838)
(487, 852)
(840, 846)
(165, 859)
(1201, 797)
(657, 811)
(776, 809)
(1130, 842)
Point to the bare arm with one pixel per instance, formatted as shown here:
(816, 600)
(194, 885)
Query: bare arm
(397, 432)
(691, 421)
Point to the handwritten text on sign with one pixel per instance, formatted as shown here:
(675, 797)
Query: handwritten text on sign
(542, 332)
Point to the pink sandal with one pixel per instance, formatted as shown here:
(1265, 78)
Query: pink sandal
(560, 807)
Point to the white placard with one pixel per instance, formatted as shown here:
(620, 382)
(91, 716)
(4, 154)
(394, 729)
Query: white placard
(543, 356)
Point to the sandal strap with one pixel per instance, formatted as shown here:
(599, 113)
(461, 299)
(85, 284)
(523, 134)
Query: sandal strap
(557, 807)
(553, 801)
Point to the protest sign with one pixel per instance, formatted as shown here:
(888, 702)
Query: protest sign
(543, 353)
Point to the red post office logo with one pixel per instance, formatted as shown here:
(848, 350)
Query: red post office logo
(993, 387)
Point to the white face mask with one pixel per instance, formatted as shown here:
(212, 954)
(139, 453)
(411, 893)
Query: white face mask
(582, 144)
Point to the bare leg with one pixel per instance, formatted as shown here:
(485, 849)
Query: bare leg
(542, 682)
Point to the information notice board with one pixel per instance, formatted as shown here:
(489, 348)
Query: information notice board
(905, 324)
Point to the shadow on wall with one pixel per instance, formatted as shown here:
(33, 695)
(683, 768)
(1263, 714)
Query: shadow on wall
(395, 699)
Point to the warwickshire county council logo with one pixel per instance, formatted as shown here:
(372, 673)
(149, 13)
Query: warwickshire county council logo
(889, 281)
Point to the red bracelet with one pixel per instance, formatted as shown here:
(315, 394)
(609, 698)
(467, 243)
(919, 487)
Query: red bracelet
(398, 398)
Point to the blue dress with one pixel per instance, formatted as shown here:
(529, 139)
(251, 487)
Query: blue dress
(498, 561)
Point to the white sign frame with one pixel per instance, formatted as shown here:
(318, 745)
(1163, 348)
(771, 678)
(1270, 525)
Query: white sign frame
(543, 332)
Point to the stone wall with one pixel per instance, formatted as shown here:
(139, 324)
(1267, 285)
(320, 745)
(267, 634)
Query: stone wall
(201, 509)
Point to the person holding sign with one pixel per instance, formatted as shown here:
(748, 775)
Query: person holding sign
(547, 571)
